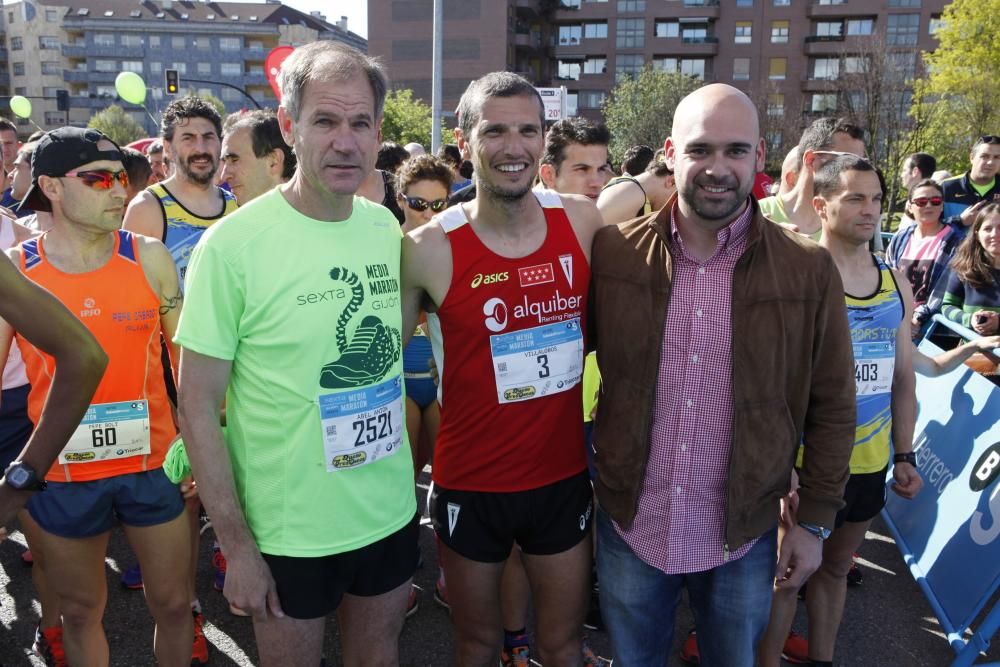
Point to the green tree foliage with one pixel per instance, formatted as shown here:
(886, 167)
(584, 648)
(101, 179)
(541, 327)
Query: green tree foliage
(957, 102)
(117, 125)
(406, 119)
(641, 108)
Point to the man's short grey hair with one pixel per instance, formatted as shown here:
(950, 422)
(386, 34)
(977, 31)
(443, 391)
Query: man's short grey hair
(328, 61)
(494, 84)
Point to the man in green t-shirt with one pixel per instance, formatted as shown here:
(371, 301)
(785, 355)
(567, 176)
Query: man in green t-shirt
(292, 316)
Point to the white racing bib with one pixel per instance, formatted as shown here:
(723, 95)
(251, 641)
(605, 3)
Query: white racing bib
(362, 426)
(109, 431)
(874, 364)
(537, 362)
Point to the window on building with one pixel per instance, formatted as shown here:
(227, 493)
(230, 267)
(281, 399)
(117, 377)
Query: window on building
(934, 24)
(630, 34)
(777, 68)
(205, 92)
(627, 64)
(855, 64)
(824, 68)
(51, 15)
(665, 64)
(104, 39)
(782, 3)
(570, 4)
(256, 69)
(570, 34)
(106, 65)
(774, 141)
(744, 3)
(667, 29)
(18, 69)
(106, 91)
(779, 32)
(694, 32)
(49, 91)
(230, 95)
(776, 104)
(48, 43)
(595, 30)
(904, 3)
(823, 103)
(154, 41)
(10, 18)
(52, 67)
(590, 99)
(743, 31)
(155, 67)
(132, 66)
(571, 103)
(569, 69)
(203, 44)
(903, 64)
(595, 65)
(204, 68)
(832, 2)
(231, 69)
(902, 29)
(54, 117)
(255, 45)
(16, 43)
(693, 67)
(20, 90)
(178, 42)
(131, 40)
(860, 26)
(181, 68)
(631, 6)
(829, 28)
(741, 69)
(230, 43)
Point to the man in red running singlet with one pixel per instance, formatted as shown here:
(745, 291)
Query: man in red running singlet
(504, 280)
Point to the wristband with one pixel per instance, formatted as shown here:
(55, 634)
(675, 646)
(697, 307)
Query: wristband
(908, 457)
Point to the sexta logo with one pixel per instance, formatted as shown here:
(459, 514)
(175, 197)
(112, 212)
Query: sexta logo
(987, 468)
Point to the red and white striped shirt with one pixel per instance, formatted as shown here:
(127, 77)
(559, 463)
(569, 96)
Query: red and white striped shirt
(679, 527)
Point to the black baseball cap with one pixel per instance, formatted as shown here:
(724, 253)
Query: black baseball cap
(60, 151)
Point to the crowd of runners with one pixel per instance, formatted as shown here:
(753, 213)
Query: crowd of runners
(679, 376)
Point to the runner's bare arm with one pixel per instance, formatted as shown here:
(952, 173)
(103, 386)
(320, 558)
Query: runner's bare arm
(80, 363)
(202, 389)
(951, 359)
(161, 272)
(426, 273)
(585, 218)
(620, 202)
(144, 216)
(904, 399)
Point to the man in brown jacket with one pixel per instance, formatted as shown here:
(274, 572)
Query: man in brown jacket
(723, 343)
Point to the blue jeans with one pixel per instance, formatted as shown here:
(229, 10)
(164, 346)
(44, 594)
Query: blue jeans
(731, 603)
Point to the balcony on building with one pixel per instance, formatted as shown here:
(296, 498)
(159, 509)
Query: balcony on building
(525, 39)
(824, 45)
(700, 46)
(529, 8)
(708, 9)
(834, 8)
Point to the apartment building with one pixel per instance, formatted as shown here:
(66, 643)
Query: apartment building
(81, 48)
(789, 53)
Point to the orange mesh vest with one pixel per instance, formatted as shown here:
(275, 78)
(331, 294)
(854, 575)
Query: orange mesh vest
(128, 427)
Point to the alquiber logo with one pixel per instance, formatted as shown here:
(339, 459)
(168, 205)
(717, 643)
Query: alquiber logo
(495, 311)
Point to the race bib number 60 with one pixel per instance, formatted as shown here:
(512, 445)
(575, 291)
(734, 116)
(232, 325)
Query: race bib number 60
(360, 427)
(536, 362)
(109, 431)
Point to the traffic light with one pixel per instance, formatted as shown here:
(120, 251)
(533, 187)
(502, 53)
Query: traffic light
(62, 100)
(173, 81)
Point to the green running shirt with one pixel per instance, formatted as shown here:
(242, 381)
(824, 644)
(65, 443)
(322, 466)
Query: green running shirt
(309, 314)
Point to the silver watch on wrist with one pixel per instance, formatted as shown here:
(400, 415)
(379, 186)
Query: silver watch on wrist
(819, 531)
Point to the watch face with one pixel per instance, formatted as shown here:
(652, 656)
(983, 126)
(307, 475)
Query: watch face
(18, 477)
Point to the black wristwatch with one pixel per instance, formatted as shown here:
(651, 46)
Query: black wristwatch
(21, 476)
(908, 457)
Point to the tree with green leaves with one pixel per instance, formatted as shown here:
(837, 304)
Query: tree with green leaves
(640, 109)
(406, 119)
(958, 99)
(117, 125)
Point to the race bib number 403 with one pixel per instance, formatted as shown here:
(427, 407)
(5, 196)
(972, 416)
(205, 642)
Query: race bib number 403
(537, 362)
(109, 431)
(874, 364)
(360, 427)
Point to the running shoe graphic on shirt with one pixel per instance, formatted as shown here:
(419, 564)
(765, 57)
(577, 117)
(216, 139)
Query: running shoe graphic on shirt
(370, 353)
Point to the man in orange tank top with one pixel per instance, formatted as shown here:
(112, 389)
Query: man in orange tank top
(504, 280)
(123, 288)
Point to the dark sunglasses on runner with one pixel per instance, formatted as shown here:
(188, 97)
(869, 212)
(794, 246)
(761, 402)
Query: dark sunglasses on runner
(421, 204)
(101, 179)
(920, 202)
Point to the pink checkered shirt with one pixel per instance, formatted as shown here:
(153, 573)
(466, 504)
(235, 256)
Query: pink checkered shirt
(679, 527)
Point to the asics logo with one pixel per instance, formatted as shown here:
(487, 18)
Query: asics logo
(488, 279)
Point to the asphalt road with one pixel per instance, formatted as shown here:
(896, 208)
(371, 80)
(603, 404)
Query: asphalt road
(887, 621)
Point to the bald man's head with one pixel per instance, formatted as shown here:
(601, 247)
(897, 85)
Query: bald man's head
(715, 150)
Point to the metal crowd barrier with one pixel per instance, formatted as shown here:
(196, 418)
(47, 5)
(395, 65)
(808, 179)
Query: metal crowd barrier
(948, 535)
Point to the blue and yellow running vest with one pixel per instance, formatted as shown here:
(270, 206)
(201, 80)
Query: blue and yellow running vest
(182, 228)
(874, 321)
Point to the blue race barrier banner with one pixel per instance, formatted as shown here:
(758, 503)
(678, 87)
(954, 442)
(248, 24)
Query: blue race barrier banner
(950, 533)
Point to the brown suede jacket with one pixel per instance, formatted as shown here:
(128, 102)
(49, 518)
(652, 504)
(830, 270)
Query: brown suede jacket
(792, 361)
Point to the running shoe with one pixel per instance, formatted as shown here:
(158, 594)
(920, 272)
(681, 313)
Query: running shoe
(441, 593)
(219, 564)
(49, 646)
(132, 578)
(855, 576)
(689, 650)
(517, 656)
(796, 649)
(590, 658)
(199, 649)
(413, 604)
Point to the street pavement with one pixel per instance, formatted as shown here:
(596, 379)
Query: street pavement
(887, 622)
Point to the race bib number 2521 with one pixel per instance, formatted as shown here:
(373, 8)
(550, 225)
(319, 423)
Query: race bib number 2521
(362, 426)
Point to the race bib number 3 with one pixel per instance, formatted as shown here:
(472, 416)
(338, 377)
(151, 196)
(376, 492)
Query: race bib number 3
(874, 364)
(363, 426)
(109, 431)
(537, 362)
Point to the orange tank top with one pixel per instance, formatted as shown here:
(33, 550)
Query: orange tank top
(128, 427)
